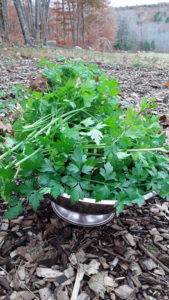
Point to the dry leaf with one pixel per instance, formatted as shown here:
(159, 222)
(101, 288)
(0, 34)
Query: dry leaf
(5, 127)
(92, 267)
(38, 83)
(101, 283)
(96, 78)
(163, 118)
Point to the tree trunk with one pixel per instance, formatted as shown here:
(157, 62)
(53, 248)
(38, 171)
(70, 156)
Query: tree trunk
(37, 21)
(46, 20)
(31, 17)
(78, 24)
(23, 22)
(4, 26)
(71, 23)
(83, 26)
(64, 21)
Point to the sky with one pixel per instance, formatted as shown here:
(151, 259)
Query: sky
(116, 3)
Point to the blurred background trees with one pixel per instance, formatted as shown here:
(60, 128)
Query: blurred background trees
(90, 24)
(70, 23)
(4, 26)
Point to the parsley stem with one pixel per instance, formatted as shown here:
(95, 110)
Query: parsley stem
(36, 133)
(147, 149)
(27, 157)
(38, 122)
(70, 114)
(16, 146)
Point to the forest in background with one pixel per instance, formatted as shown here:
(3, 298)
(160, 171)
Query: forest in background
(90, 24)
(84, 23)
(143, 28)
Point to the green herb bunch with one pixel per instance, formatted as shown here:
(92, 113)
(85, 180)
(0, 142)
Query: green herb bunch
(77, 137)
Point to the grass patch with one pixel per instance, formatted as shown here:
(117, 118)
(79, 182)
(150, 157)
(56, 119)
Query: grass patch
(140, 59)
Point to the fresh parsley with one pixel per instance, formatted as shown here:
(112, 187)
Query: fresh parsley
(76, 137)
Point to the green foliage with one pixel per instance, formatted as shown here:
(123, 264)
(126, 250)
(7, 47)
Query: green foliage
(153, 248)
(167, 20)
(137, 65)
(124, 45)
(157, 17)
(76, 138)
(147, 46)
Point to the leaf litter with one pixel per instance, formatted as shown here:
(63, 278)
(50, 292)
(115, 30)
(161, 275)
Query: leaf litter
(42, 256)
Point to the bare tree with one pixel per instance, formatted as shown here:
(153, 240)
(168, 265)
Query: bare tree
(34, 18)
(4, 26)
(37, 21)
(28, 6)
(23, 22)
(45, 19)
(41, 15)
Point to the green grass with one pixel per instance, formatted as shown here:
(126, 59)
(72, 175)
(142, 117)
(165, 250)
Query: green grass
(139, 59)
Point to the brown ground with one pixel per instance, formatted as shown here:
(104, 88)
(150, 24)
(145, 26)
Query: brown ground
(42, 257)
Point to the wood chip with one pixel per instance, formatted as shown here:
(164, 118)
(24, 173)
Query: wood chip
(61, 295)
(24, 295)
(135, 268)
(48, 273)
(5, 225)
(129, 239)
(83, 296)
(165, 235)
(21, 273)
(103, 262)
(125, 292)
(148, 264)
(159, 271)
(69, 272)
(157, 238)
(45, 294)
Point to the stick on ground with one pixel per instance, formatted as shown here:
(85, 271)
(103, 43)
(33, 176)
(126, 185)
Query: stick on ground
(79, 277)
(154, 258)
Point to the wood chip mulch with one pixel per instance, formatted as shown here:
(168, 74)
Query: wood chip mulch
(43, 257)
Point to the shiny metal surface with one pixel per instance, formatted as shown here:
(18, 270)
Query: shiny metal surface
(80, 219)
(88, 220)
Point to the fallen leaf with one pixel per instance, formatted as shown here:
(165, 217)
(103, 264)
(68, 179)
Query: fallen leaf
(96, 78)
(101, 283)
(92, 267)
(163, 118)
(38, 83)
(5, 127)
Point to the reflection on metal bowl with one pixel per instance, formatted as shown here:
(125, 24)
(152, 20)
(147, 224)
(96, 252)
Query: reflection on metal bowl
(86, 212)
(81, 219)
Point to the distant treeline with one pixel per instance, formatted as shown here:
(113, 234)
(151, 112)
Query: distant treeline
(143, 27)
(89, 24)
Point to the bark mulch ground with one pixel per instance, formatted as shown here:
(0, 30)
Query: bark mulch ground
(43, 257)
